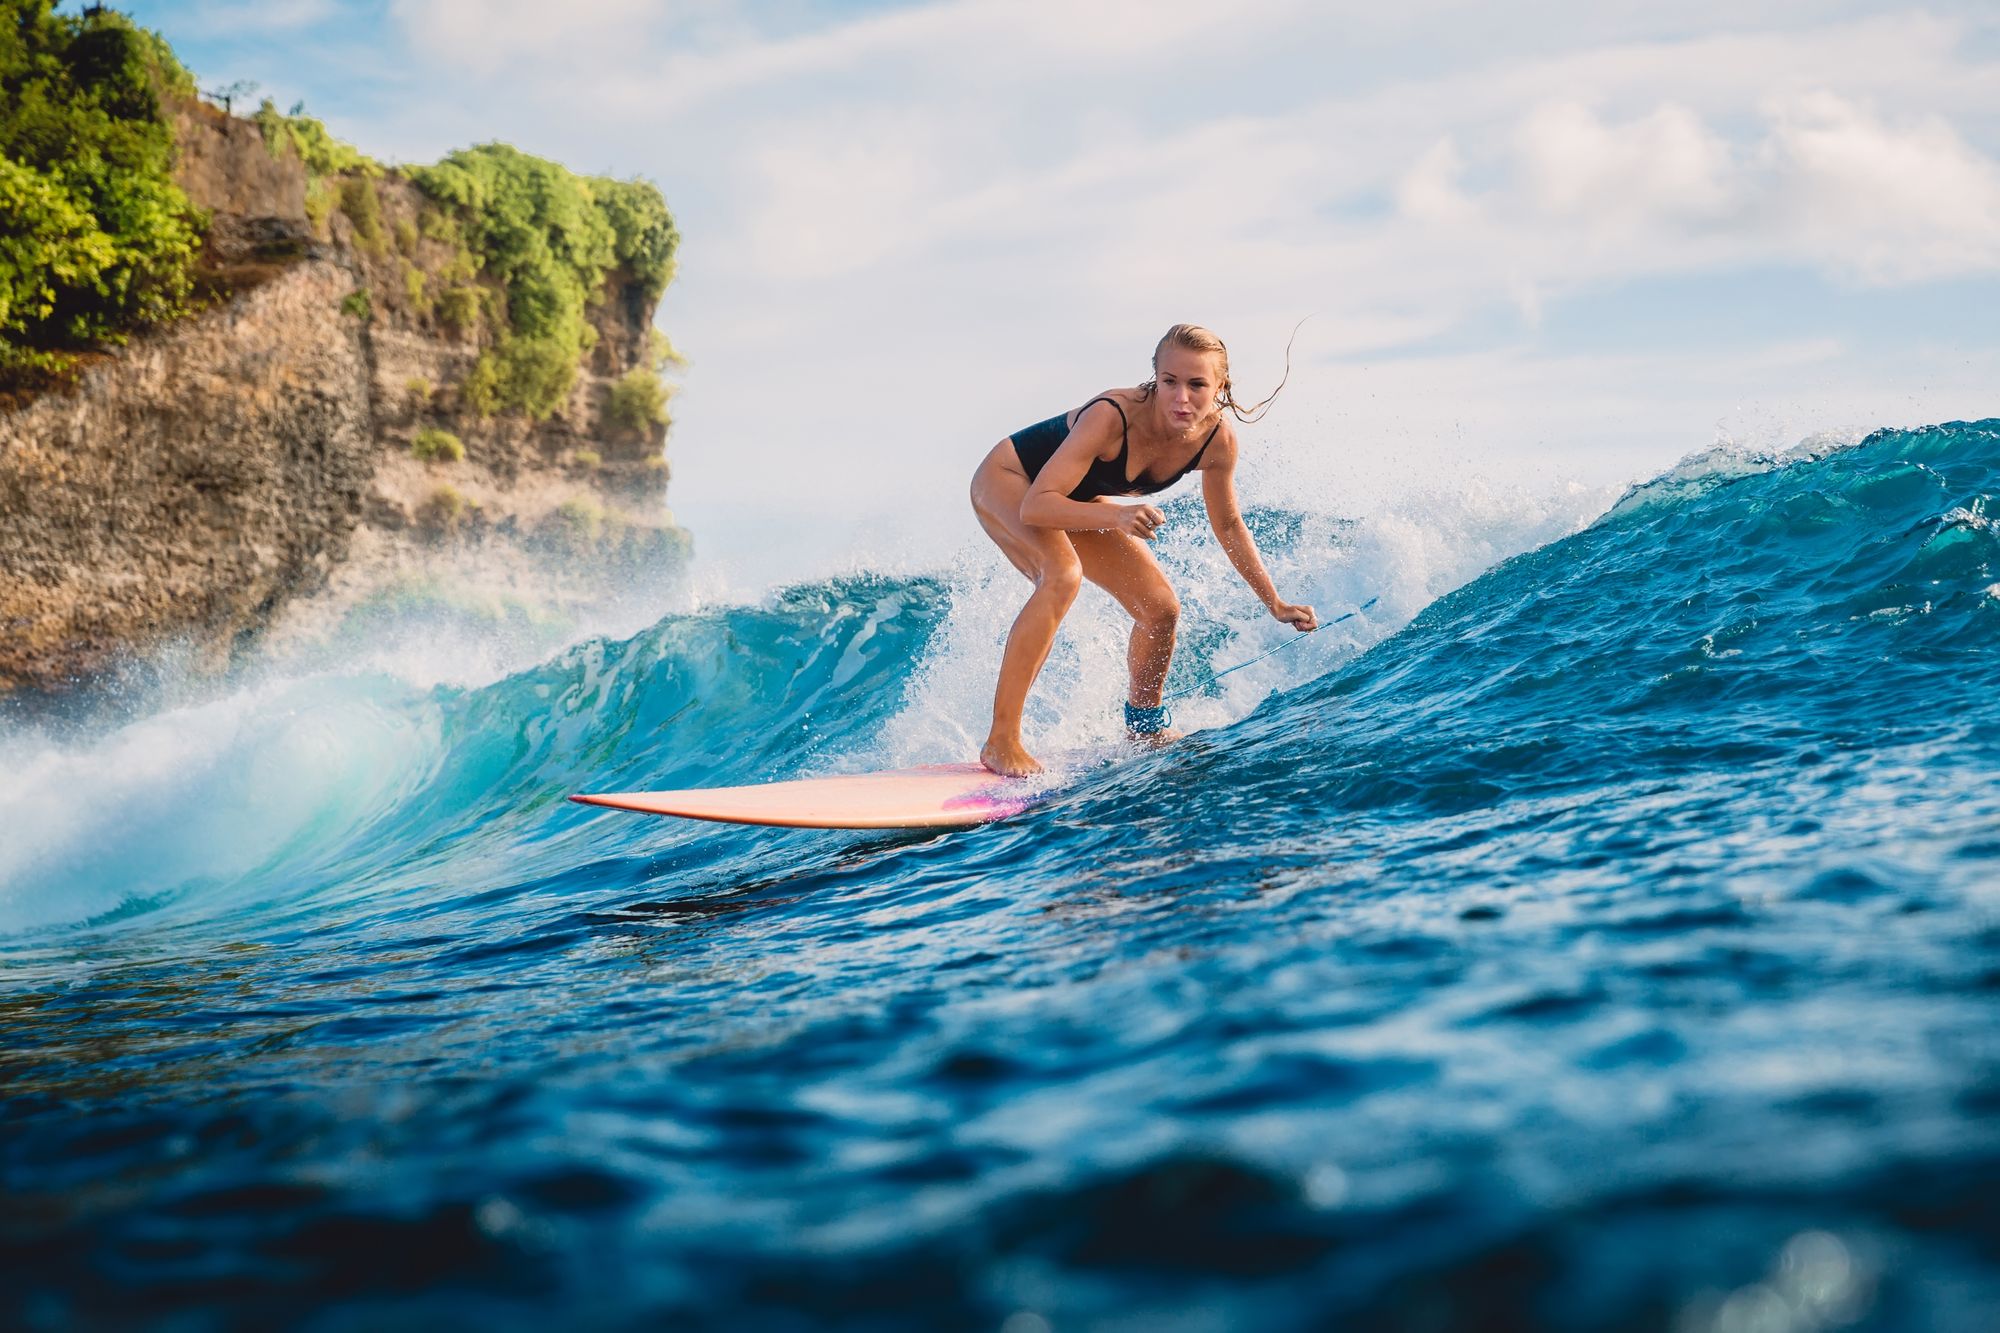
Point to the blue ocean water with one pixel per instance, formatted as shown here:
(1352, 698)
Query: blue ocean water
(1611, 942)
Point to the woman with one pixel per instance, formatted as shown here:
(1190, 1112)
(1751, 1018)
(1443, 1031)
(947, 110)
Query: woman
(1041, 496)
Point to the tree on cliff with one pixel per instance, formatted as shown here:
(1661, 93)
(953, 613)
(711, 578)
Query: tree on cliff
(95, 236)
(549, 238)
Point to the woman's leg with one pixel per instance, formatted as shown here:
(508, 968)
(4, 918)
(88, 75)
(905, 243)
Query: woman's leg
(1047, 558)
(1124, 567)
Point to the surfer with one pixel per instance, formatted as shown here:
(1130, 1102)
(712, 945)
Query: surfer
(1042, 496)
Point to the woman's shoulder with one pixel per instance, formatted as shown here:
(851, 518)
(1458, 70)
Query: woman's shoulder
(1221, 448)
(1125, 398)
(1093, 414)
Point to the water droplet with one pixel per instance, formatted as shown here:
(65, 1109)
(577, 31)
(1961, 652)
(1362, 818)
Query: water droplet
(1326, 1186)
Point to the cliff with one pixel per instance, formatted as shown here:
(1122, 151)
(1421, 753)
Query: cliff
(315, 436)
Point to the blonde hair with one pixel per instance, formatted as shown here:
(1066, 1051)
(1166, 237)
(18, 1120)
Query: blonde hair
(1195, 338)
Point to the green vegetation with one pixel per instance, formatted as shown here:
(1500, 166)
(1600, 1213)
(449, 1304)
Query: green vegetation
(458, 308)
(358, 304)
(549, 238)
(322, 154)
(637, 401)
(531, 375)
(319, 202)
(440, 227)
(643, 234)
(413, 288)
(445, 511)
(418, 390)
(462, 269)
(364, 209)
(588, 458)
(165, 67)
(581, 523)
(432, 445)
(406, 237)
(95, 237)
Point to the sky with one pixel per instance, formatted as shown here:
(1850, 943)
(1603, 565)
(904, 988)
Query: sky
(1555, 242)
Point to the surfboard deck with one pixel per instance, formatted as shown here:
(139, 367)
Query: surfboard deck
(935, 796)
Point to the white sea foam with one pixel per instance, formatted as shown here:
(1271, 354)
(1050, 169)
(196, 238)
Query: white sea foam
(1732, 456)
(210, 793)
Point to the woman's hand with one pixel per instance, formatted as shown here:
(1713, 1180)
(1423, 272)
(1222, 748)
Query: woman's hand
(1300, 618)
(1140, 521)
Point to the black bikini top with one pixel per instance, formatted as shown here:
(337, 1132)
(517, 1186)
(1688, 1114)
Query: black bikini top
(1038, 443)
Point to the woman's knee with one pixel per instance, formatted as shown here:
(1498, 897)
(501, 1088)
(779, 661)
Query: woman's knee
(1159, 613)
(1060, 578)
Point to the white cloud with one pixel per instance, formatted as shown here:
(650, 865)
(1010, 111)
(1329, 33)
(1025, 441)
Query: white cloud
(1885, 202)
(1579, 199)
(1430, 192)
(1665, 163)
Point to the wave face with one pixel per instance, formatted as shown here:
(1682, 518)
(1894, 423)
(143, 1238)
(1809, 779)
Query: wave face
(1609, 941)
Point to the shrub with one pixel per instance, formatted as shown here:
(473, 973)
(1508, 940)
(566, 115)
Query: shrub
(50, 242)
(439, 226)
(581, 522)
(432, 445)
(462, 268)
(668, 543)
(548, 237)
(161, 62)
(662, 353)
(413, 287)
(531, 375)
(96, 239)
(644, 238)
(319, 203)
(418, 390)
(458, 308)
(364, 209)
(358, 304)
(588, 458)
(406, 236)
(445, 511)
(636, 402)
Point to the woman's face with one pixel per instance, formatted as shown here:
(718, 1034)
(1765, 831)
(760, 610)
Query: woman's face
(1189, 383)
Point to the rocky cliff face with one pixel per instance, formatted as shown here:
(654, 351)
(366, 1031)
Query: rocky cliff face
(187, 487)
(249, 471)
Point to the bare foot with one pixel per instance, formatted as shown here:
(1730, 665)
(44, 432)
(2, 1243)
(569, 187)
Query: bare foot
(1010, 759)
(1155, 739)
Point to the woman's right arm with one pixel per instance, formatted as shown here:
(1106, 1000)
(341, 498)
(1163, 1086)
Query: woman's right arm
(1047, 503)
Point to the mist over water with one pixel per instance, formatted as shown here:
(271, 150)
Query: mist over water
(1597, 931)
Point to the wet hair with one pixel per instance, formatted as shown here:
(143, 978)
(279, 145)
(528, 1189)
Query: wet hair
(1195, 338)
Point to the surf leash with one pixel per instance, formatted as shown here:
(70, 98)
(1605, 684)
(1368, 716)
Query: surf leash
(1296, 638)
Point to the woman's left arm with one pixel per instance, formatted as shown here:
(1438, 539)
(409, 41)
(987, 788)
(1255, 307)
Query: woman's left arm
(1225, 519)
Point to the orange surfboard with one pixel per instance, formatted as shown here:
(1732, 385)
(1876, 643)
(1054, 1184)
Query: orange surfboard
(936, 796)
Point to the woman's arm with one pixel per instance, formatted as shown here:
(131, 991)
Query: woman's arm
(1047, 503)
(1225, 519)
